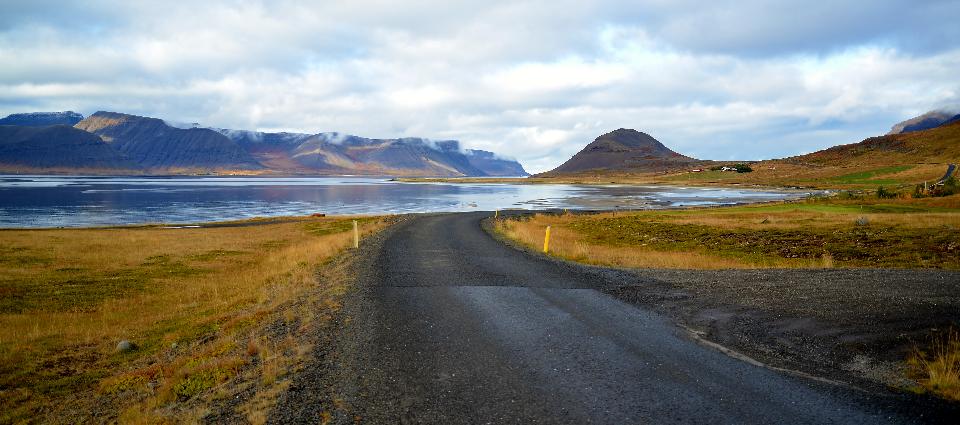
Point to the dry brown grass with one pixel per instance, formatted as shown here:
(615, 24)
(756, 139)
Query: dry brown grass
(937, 369)
(567, 244)
(198, 302)
(811, 234)
(760, 218)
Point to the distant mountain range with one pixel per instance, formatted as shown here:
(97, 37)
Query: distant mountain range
(110, 142)
(337, 153)
(116, 143)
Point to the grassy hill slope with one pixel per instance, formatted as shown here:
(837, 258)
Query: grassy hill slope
(892, 160)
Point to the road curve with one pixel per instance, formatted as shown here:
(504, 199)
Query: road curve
(950, 169)
(451, 326)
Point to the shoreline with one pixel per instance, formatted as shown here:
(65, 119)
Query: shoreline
(249, 222)
(392, 197)
(267, 220)
(640, 180)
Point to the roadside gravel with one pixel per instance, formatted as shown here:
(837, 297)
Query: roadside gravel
(854, 325)
(316, 394)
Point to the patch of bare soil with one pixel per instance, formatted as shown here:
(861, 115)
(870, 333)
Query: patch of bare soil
(855, 326)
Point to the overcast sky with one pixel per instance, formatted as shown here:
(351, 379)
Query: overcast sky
(533, 80)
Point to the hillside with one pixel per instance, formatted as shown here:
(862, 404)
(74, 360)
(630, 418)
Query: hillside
(623, 151)
(935, 145)
(154, 145)
(33, 149)
(926, 121)
(895, 160)
(42, 119)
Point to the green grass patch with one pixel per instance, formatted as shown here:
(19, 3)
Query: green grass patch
(869, 176)
(828, 208)
(20, 257)
(215, 254)
(205, 378)
(77, 289)
(815, 206)
(706, 175)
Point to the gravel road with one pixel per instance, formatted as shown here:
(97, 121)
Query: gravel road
(447, 325)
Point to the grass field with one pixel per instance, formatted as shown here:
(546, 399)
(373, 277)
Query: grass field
(209, 308)
(899, 233)
(872, 176)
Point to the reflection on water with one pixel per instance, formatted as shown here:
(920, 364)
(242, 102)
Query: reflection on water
(52, 201)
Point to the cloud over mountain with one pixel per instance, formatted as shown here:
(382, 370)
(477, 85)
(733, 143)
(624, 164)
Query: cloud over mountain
(534, 80)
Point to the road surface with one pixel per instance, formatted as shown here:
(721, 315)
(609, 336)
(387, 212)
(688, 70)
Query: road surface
(451, 326)
(950, 168)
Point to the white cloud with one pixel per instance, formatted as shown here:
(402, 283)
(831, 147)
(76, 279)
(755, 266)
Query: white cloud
(533, 80)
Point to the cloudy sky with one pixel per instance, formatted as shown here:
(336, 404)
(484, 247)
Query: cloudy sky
(533, 80)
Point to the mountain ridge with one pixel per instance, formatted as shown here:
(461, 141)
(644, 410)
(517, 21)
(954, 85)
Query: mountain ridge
(138, 145)
(926, 121)
(334, 152)
(154, 145)
(42, 119)
(57, 147)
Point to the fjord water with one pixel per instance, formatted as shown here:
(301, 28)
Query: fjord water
(73, 201)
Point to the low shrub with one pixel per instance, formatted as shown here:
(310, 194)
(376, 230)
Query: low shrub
(847, 196)
(950, 187)
(937, 369)
(884, 193)
(919, 191)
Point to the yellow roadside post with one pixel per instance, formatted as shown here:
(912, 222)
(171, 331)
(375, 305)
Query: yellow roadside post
(546, 241)
(356, 235)
(495, 214)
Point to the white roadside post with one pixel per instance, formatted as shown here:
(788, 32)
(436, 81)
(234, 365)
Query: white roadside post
(356, 235)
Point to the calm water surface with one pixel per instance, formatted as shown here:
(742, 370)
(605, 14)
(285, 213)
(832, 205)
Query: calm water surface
(54, 201)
